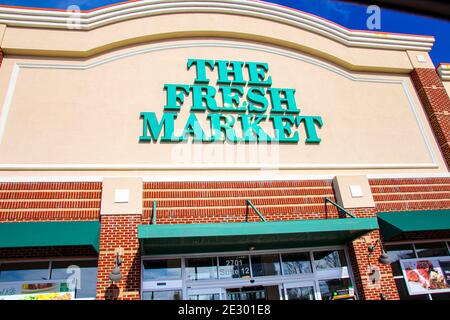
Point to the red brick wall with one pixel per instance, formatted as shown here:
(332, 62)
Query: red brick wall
(205, 202)
(119, 231)
(48, 201)
(436, 102)
(411, 194)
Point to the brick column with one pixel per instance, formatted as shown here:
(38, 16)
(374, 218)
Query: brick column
(364, 264)
(121, 213)
(355, 195)
(119, 232)
(436, 102)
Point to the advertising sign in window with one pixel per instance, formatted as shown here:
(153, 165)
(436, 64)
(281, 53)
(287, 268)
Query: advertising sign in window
(36, 291)
(427, 275)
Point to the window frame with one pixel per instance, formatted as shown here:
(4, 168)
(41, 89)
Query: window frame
(315, 275)
(413, 245)
(50, 263)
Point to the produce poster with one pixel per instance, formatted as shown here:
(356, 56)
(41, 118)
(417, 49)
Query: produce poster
(36, 291)
(426, 275)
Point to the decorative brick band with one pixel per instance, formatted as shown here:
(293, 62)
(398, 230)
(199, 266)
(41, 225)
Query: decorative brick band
(411, 194)
(49, 201)
(436, 102)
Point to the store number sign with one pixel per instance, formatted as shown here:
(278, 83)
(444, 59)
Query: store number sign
(234, 267)
(241, 100)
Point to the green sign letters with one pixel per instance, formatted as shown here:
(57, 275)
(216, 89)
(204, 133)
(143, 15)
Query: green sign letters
(235, 108)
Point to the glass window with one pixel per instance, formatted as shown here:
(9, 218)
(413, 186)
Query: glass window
(162, 295)
(403, 291)
(234, 267)
(296, 263)
(24, 271)
(398, 252)
(162, 269)
(301, 293)
(329, 259)
(441, 296)
(432, 249)
(329, 288)
(247, 294)
(201, 268)
(86, 288)
(266, 265)
(207, 296)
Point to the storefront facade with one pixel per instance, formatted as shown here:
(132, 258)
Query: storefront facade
(221, 150)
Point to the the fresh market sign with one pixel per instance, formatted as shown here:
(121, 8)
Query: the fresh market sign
(235, 108)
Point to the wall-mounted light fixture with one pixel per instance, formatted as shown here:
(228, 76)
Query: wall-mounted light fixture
(115, 274)
(384, 258)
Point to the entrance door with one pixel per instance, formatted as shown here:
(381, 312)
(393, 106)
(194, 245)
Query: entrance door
(162, 290)
(270, 292)
(299, 291)
(205, 294)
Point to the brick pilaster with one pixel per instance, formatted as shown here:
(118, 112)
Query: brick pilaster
(362, 262)
(436, 102)
(119, 231)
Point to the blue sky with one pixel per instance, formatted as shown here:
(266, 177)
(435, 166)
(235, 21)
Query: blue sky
(349, 15)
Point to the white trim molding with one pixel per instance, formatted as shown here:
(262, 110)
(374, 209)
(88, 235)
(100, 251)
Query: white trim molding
(211, 167)
(88, 20)
(444, 71)
(216, 178)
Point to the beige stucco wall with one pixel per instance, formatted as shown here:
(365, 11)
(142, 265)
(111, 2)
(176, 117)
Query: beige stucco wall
(84, 114)
(76, 43)
(420, 59)
(361, 195)
(447, 86)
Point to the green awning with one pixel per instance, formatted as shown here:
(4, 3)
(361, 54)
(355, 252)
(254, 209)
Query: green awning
(42, 234)
(395, 223)
(215, 237)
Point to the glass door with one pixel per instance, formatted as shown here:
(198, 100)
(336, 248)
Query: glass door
(299, 291)
(254, 293)
(205, 294)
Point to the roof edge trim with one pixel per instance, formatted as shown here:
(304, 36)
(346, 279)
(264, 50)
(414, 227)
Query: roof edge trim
(88, 20)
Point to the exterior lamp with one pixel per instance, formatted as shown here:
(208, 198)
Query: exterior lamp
(384, 258)
(115, 274)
